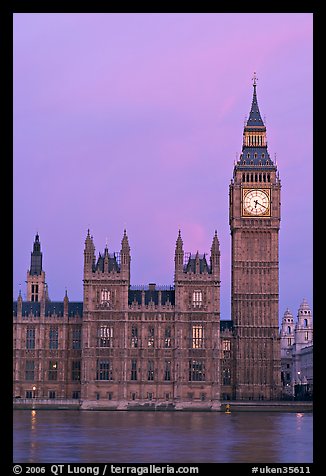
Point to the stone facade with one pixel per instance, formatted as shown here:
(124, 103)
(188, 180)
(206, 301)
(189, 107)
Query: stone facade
(127, 346)
(165, 347)
(255, 222)
(297, 353)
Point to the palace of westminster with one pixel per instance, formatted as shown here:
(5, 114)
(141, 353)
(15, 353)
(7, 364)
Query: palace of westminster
(166, 347)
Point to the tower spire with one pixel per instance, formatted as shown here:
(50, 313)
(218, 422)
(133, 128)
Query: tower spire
(254, 116)
(254, 146)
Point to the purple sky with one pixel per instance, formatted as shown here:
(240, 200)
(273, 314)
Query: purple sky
(135, 120)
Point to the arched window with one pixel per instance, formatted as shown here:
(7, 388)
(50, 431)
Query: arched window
(289, 330)
(305, 323)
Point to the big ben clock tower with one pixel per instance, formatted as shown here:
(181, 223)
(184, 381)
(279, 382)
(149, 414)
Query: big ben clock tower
(255, 223)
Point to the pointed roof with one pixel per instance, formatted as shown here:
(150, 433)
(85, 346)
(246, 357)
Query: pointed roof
(36, 257)
(254, 116)
(179, 242)
(215, 243)
(125, 242)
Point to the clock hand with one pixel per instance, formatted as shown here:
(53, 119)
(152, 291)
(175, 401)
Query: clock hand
(257, 203)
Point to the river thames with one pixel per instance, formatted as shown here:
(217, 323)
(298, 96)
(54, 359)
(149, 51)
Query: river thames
(72, 436)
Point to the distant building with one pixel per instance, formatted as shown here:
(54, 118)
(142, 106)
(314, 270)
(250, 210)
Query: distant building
(297, 353)
(125, 346)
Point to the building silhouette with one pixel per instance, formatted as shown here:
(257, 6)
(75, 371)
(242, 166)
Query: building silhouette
(128, 346)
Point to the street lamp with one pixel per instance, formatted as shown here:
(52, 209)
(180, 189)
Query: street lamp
(34, 391)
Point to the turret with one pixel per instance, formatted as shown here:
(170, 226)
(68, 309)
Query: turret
(125, 256)
(179, 255)
(35, 275)
(304, 327)
(287, 333)
(89, 254)
(215, 256)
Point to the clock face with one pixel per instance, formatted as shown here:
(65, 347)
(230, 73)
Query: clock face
(256, 202)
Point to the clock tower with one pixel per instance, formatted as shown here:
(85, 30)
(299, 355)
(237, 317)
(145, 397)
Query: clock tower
(255, 222)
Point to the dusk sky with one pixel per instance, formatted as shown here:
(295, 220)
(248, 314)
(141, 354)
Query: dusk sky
(135, 120)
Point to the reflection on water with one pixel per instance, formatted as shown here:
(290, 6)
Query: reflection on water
(161, 437)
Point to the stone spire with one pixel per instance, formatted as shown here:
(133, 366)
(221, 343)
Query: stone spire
(254, 147)
(254, 116)
(179, 254)
(36, 257)
(89, 253)
(125, 255)
(215, 255)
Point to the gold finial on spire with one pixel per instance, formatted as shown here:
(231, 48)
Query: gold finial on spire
(255, 79)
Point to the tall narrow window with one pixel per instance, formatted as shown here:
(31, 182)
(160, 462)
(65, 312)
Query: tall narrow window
(197, 298)
(226, 377)
(75, 370)
(30, 337)
(196, 370)
(105, 336)
(53, 370)
(134, 336)
(133, 369)
(34, 294)
(150, 340)
(105, 296)
(150, 370)
(76, 337)
(197, 336)
(53, 337)
(29, 370)
(167, 370)
(103, 369)
(167, 337)
(226, 346)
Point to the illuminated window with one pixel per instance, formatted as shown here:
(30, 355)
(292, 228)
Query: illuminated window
(226, 347)
(105, 336)
(105, 296)
(226, 344)
(197, 337)
(167, 337)
(197, 298)
(53, 370)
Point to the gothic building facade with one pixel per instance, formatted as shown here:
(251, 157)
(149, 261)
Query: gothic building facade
(297, 353)
(129, 347)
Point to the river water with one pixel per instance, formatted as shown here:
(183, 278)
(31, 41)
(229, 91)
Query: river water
(52, 436)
